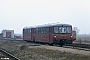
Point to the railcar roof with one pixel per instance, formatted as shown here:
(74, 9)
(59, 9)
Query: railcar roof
(47, 25)
(29, 27)
(50, 25)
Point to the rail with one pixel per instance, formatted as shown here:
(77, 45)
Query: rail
(85, 47)
(8, 54)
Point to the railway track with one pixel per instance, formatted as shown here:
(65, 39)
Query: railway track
(85, 47)
(78, 46)
(4, 55)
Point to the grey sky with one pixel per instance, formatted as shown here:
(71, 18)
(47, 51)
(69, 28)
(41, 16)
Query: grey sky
(16, 14)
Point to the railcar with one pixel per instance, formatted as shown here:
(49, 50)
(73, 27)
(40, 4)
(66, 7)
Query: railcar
(51, 33)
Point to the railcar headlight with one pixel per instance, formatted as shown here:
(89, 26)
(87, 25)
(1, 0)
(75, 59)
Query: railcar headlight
(55, 36)
(71, 36)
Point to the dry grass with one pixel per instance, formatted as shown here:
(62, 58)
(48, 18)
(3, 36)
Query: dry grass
(24, 53)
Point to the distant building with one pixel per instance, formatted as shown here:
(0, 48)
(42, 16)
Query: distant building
(8, 33)
(19, 36)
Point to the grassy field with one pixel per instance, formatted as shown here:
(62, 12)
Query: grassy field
(23, 52)
(45, 54)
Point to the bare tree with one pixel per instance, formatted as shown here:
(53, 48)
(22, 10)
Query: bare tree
(76, 29)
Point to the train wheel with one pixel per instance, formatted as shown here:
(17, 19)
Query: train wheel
(51, 44)
(61, 45)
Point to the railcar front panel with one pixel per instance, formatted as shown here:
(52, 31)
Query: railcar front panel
(62, 34)
(57, 37)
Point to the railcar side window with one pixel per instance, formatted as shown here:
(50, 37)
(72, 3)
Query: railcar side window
(50, 30)
(27, 31)
(44, 30)
(41, 30)
(23, 30)
(30, 31)
(34, 31)
(55, 29)
(47, 30)
(69, 30)
(37, 30)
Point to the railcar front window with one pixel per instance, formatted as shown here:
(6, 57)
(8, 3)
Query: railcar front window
(55, 29)
(69, 30)
(62, 30)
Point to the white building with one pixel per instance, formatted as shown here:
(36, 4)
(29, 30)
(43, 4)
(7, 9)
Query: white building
(8, 33)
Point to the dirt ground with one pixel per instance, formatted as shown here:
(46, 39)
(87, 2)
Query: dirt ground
(75, 51)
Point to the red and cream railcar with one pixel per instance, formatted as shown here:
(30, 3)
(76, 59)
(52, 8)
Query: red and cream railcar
(52, 34)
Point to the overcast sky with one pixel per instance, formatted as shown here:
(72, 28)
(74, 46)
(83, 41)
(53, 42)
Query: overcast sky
(16, 14)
